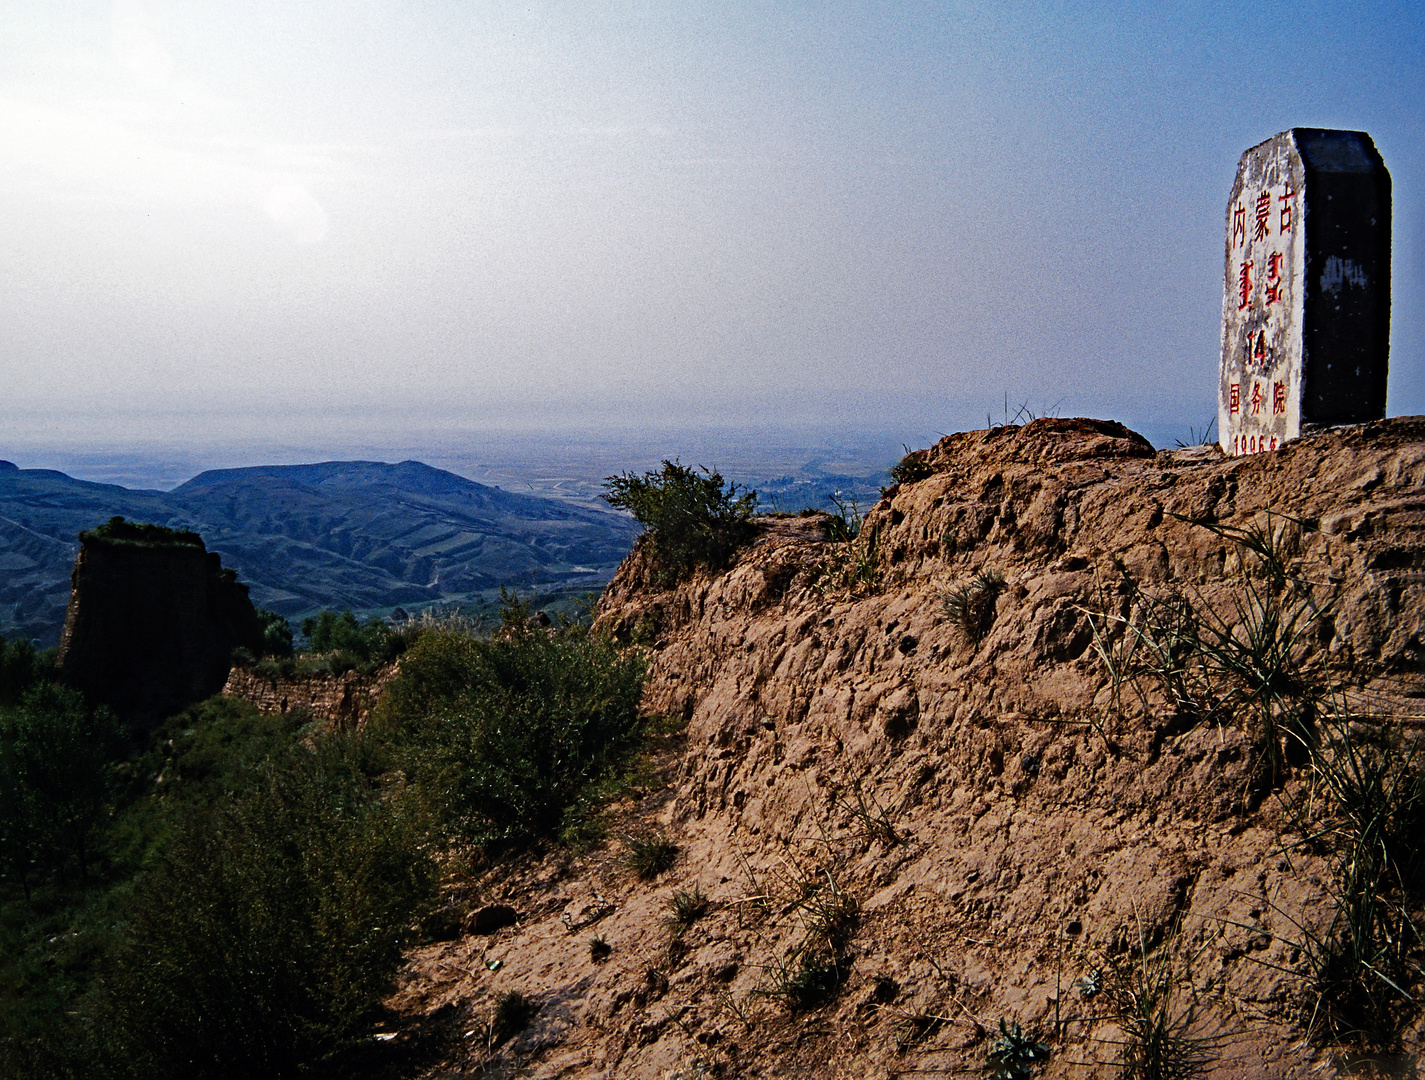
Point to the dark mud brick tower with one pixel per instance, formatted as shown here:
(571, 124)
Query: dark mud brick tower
(1306, 298)
(152, 622)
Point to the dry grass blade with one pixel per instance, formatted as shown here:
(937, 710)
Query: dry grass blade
(1366, 801)
(650, 855)
(971, 607)
(1156, 1004)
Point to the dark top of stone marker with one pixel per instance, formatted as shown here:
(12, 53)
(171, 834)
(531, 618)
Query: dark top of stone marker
(1324, 150)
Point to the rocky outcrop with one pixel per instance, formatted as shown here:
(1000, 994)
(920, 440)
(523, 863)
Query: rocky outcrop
(922, 721)
(152, 622)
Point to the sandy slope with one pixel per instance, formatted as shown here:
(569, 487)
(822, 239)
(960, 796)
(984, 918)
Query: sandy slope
(1002, 828)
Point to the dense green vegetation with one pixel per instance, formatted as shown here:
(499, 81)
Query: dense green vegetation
(117, 530)
(276, 633)
(336, 643)
(506, 734)
(692, 521)
(21, 667)
(232, 898)
(366, 641)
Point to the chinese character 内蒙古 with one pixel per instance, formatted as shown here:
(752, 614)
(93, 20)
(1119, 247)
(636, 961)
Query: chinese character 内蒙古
(1285, 200)
(1264, 213)
(1239, 223)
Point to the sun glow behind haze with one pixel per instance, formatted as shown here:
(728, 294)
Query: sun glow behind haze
(234, 221)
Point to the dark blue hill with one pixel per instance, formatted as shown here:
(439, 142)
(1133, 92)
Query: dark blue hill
(363, 535)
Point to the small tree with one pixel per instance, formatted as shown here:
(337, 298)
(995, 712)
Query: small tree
(276, 633)
(21, 667)
(692, 520)
(56, 779)
(373, 641)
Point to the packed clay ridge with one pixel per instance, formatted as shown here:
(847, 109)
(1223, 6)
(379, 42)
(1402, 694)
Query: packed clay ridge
(905, 758)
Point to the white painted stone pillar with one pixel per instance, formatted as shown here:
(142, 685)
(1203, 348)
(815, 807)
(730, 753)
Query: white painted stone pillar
(1306, 293)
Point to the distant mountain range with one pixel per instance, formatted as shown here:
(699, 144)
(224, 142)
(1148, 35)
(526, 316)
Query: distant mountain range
(363, 535)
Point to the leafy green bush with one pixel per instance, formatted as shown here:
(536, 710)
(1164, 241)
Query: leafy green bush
(504, 735)
(270, 930)
(117, 530)
(21, 667)
(330, 632)
(1015, 1053)
(56, 782)
(337, 643)
(276, 633)
(692, 520)
(914, 466)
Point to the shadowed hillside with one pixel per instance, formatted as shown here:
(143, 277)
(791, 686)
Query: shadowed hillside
(359, 535)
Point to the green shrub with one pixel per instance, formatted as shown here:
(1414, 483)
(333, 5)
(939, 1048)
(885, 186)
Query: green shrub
(845, 524)
(685, 907)
(268, 933)
(812, 981)
(693, 521)
(512, 1014)
(504, 735)
(56, 782)
(1366, 803)
(21, 667)
(276, 633)
(1015, 1053)
(332, 632)
(914, 466)
(117, 530)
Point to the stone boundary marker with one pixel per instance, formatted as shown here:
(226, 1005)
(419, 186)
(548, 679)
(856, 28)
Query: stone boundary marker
(1306, 296)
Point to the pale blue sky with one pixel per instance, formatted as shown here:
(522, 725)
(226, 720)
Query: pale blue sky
(299, 221)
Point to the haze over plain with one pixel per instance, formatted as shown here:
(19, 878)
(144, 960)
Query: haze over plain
(275, 230)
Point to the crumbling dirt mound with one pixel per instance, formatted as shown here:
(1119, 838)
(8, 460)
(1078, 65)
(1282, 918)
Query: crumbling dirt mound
(912, 815)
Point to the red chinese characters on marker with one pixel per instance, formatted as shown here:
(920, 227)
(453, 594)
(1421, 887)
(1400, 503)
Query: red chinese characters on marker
(1258, 399)
(1273, 286)
(1264, 214)
(1239, 224)
(1285, 200)
(1244, 285)
(1234, 398)
(1278, 400)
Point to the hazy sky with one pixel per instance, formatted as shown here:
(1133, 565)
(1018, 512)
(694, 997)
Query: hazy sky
(306, 219)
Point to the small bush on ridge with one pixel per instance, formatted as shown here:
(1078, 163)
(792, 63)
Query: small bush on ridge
(692, 520)
(276, 633)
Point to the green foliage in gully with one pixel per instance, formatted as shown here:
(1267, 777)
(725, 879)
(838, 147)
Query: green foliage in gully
(233, 898)
(506, 735)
